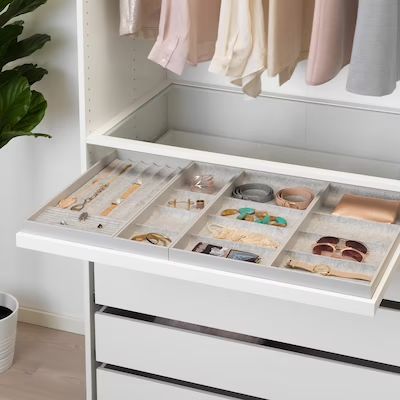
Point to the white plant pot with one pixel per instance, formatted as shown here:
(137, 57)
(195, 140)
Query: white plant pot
(8, 331)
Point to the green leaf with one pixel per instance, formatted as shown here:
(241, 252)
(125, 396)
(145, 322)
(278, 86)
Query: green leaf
(31, 72)
(5, 137)
(19, 7)
(35, 114)
(25, 48)
(15, 100)
(10, 32)
(6, 76)
(8, 36)
(4, 4)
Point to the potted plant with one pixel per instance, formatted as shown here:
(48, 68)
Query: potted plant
(21, 110)
(8, 329)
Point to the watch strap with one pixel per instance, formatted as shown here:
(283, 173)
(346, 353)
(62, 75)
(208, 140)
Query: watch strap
(109, 210)
(131, 190)
(326, 270)
(350, 275)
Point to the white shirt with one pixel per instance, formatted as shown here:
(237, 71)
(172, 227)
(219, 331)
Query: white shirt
(255, 35)
(241, 49)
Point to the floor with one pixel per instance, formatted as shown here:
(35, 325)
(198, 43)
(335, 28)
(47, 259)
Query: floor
(48, 365)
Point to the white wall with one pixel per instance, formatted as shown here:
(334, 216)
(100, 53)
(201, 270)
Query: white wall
(34, 170)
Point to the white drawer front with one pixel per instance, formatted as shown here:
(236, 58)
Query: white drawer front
(238, 367)
(113, 385)
(98, 236)
(313, 327)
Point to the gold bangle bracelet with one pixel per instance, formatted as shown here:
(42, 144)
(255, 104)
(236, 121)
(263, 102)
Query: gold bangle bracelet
(156, 239)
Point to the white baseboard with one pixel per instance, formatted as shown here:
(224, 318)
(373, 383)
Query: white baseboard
(53, 321)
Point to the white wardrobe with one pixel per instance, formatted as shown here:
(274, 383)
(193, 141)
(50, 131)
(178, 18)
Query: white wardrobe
(166, 323)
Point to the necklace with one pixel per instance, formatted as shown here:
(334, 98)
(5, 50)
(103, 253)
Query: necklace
(242, 236)
(100, 189)
(87, 188)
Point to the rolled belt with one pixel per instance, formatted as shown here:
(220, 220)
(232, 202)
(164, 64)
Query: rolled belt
(305, 197)
(254, 192)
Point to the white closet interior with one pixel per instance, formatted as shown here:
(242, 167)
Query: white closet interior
(127, 97)
(168, 322)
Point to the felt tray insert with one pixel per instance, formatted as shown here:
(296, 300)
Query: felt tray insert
(151, 176)
(336, 192)
(278, 182)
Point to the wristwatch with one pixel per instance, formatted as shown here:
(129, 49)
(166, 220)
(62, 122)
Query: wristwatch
(326, 270)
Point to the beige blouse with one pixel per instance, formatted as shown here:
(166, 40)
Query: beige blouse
(241, 50)
(187, 33)
(139, 17)
(289, 35)
(258, 34)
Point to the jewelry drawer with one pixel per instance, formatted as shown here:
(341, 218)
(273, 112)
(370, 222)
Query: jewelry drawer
(116, 385)
(295, 324)
(122, 225)
(235, 366)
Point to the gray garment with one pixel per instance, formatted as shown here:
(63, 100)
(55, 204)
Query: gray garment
(375, 61)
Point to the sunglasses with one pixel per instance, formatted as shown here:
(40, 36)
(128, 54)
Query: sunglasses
(341, 248)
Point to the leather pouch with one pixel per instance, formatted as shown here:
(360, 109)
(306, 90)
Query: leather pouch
(368, 208)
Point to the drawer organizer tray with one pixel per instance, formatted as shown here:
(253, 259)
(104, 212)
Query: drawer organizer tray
(149, 209)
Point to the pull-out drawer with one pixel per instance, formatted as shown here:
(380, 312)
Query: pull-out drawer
(150, 213)
(375, 339)
(116, 385)
(235, 366)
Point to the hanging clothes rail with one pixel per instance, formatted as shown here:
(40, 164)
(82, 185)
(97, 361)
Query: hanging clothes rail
(246, 38)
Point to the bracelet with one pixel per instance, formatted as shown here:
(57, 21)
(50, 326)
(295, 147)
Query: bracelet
(254, 192)
(189, 204)
(252, 215)
(296, 198)
(156, 239)
(203, 184)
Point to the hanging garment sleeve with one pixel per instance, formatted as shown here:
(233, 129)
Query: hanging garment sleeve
(332, 39)
(139, 18)
(375, 62)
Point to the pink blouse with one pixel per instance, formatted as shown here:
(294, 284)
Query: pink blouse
(187, 33)
(332, 39)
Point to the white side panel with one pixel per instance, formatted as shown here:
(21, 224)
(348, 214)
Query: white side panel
(115, 69)
(297, 324)
(393, 290)
(113, 385)
(235, 366)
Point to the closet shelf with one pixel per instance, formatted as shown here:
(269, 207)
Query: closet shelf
(257, 156)
(212, 124)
